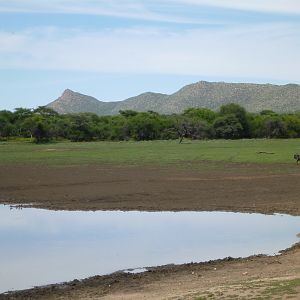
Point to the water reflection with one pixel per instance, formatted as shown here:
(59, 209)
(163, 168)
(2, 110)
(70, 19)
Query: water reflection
(40, 247)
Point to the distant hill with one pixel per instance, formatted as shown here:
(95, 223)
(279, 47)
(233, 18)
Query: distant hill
(254, 97)
(72, 102)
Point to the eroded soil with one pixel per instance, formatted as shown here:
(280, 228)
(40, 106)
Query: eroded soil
(199, 186)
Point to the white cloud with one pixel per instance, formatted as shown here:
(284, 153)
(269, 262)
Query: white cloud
(272, 6)
(156, 10)
(264, 51)
(132, 9)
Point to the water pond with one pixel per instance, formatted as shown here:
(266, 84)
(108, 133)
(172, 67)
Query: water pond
(40, 247)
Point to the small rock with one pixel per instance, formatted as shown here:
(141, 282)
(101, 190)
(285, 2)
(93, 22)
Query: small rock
(245, 273)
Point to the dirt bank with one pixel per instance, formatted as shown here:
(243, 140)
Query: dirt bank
(262, 277)
(204, 186)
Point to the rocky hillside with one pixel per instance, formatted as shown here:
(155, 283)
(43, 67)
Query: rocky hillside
(72, 102)
(254, 97)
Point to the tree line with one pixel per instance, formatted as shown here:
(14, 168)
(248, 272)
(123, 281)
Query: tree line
(231, 122)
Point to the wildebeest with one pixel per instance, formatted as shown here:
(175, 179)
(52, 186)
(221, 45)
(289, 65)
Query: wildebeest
(297, 157)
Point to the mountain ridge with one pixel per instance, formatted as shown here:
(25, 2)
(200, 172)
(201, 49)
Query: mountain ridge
(254, 97)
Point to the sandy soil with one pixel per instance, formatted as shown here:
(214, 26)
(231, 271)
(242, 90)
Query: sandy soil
(206, 186)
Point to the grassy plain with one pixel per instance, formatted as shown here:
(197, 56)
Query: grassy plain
(151, 152)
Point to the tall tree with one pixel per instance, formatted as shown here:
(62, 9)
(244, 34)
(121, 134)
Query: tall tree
(240, 113)
(228, 127)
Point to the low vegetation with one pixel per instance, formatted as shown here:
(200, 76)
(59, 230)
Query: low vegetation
(255, 289)
(158, 152)
(230, 122)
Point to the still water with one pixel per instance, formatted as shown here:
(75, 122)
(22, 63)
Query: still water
(39, 247)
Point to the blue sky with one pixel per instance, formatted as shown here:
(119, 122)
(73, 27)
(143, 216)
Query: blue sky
(115, 49)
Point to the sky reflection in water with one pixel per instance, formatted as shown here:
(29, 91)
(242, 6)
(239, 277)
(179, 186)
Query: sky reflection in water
(40, 247)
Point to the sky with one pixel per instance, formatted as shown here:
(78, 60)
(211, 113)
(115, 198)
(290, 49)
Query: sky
(115, 49)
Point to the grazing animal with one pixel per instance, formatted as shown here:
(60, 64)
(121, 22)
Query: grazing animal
(297, 157)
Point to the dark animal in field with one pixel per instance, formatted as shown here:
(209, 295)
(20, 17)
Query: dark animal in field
(297, 157)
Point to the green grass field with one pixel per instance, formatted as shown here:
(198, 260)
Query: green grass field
(157, 152)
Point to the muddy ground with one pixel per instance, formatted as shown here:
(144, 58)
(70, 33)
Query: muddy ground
(195, 186)
(199, 186)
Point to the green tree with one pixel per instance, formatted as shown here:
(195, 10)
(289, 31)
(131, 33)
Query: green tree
(268, 112)
(128, 113)
(119, 128)
(274, 127)
(193, 128)
(19, 116)
(145, 126)
(21, 113)
(292, 122)
(201, 113)
(82, 128)
(228, 127)
(45, 111)
(240, 113)
(6, 128)
(41, 132)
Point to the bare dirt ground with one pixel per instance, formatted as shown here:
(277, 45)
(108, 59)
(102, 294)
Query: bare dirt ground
(206, 186)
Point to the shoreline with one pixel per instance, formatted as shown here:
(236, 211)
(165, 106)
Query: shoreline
(236, 187)
(105, 285)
